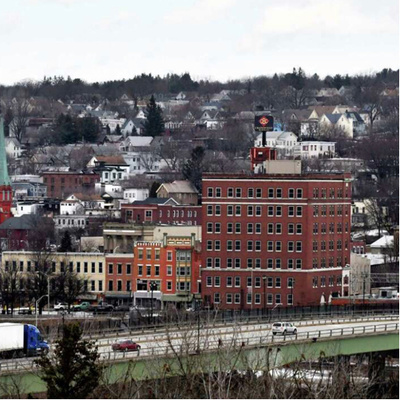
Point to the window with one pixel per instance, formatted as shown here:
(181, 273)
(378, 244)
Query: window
(101, 268)
(279, 193)
(100, 286)
(238, 192)
(238, 210)
(237, 298)
(229, 227)
(237, 245)
(216, 298)
(169, 255)
(278, 263)
(249, 281)
(140, 254)
(237, 281)
(299, 263)
(140, 270)
(299, 229)
(218, 210)
(270, 262)
(299, 193)
(229, 263)
(209, 227)
(299, 246)
(270, 228)
(230, 192)
(270, 282)
(315, 211)
(250, 228)
(169, 270)
(278, 229)
(270, 193)
(278, 299)
(217, 227)
(148, 270)
(218, 192)
(290, 263)
(290, 299)
(238, 227)
(315, 281)
(315, 228)
(258, 245)
(229, 211)
(257, 298)
(157, 254)
(258, 193)
(110, 269)
(209, 245)
(210, 192)
(279, 211)
(270, 245)
(249, 245)
(258, 228)
(110, 286)
(258, 211)
(249, 298)
(290, 229)
(229, 245)
(290, 246)
(257, 282)
(270, 211)
(269, 298)
(278, 246)
(217, 281)
(209, 210)
(299, 211)
(119, 269)
(291, 211)
(157, 270)
(229, 281)
(229, 298)
(217, 245)
(78, 266)
(291, 193)
(209, 281)
(250, 192)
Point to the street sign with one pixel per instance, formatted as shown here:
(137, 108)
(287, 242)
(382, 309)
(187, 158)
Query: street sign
(264, 123)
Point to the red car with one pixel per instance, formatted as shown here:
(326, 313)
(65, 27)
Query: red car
(125, 345)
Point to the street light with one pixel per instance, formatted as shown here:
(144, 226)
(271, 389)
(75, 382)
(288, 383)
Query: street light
(36, 306)
(153, 286)
(265, 293)
(291, 290)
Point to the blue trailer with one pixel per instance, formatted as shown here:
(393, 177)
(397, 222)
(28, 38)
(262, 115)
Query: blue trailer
(21, 340)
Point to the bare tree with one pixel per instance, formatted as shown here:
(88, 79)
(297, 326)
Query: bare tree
(21, 110)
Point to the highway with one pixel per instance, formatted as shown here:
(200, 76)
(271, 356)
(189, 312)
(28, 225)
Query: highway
(188, 339)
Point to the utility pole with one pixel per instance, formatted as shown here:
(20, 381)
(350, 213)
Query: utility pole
(153, 286)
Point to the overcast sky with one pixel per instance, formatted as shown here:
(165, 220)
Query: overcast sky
(99, 40)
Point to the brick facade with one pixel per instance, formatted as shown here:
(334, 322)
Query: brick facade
(261, 233)
(61, 184)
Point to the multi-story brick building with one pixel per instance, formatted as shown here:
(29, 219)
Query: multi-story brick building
(61, 184)
(173, 264)
(273, 239)
(5, 184)
(161, 211)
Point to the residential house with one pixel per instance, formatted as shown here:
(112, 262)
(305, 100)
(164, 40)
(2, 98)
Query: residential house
(13, 147)
(81, 203)
(182, 191)
(28, 190)
(352, 124)
(109, 168)
(283, 142)
(135, 194)
(314, 149)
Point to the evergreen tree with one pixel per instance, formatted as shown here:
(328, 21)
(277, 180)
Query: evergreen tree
(66, 243)
(193, 168)
(74, 372)
(153, 189)
(118, 130)
(154, 124)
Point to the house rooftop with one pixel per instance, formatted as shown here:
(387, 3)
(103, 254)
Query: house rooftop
(178, 187)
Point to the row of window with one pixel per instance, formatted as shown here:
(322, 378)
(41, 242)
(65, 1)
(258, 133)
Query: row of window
(87, 285)
(254, 245)
(182, 255)
(79, 267)
(235, 281)
(255, 263)
(331, 281)
(235, 298)
(216, 227)
(331, 245)
(328, 263)
(331, 192)
(271, 193)
(272, 211)
(331, 226)
(333, 211)
(180, 286)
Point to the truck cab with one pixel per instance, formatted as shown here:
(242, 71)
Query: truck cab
(33, 342)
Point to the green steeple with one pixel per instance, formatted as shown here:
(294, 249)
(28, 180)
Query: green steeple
(4, 178)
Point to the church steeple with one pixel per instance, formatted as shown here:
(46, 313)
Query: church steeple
(5, 184)
(4, 178)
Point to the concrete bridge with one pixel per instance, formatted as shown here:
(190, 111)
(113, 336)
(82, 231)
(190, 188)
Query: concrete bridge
(167, 354)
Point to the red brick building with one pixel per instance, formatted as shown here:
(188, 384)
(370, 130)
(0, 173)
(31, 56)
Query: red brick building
(161, 211)
(5, 184)
(274, 239)
(61, 184)
(174, 265)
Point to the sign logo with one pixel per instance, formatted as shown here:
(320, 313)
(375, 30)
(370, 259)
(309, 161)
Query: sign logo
(264, 123)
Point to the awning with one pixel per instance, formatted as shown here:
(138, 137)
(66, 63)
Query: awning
(177, 298)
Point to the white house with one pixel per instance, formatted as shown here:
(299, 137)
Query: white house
(79, 204)
(317, 149)
(13, 147)
(26, 207)
(283, 141)
(135, 194)
(110, 168)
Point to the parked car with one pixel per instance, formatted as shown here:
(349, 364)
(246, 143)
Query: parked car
(84, 306)
(103, 307)
(125, 345)
(61, 307)
(283, 328)
(25, 311)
